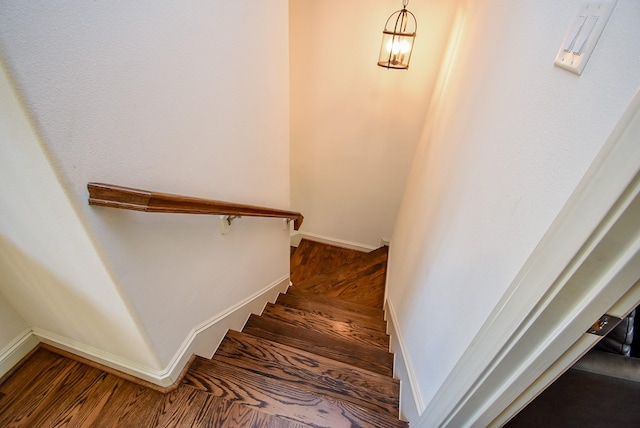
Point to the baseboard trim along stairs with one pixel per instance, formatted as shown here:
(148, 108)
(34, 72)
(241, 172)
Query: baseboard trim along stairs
(317, 357)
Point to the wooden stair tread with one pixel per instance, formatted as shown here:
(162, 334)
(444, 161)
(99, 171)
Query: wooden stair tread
(364, 286)
(187, 406)
(337, 303)
(333, 280)
(367, 289)
(340, 329)
(351, 306)
(364, 357)
(279, 399)
(332, 309)
(311, 258)
(123, 406)
(310, 372)
(348, 270)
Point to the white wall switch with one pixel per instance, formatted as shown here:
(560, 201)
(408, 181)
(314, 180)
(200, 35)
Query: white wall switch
(583, 35)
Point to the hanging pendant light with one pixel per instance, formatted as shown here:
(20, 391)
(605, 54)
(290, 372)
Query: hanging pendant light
(397, 39)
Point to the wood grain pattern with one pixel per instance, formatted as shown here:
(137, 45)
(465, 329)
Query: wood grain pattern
(365, 357)
(346, 271)
(277, 398)
(39, 365)
(123, 407)
(65, 406)
(29, 389)
(109, 195)
(312, 258)
(218, 412)
(330, 310)
(352, 307)
(347, 330)
(310, 372)
(181, 407)
(361, 280)
(364, 285)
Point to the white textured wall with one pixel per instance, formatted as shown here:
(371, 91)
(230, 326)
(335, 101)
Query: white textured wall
(15, 339)
(505, 145)
(12, 325)
(49, 270)
(179, 97)
(354, 125)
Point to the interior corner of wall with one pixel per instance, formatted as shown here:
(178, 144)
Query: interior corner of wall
(16, 350)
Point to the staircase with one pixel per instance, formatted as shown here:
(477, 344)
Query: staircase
(317, 357)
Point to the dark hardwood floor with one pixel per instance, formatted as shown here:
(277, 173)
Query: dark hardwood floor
(318, 357)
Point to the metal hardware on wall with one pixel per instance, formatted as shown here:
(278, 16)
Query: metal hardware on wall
(225, 223)
(397, 41)
(604, 325)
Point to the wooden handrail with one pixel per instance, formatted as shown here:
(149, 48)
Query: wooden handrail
(108, 195)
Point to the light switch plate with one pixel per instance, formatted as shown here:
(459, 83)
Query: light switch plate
(583, 35)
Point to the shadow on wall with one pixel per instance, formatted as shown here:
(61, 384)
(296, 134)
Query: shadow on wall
(47, 303)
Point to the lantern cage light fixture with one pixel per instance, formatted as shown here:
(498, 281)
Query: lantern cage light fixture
(397, 39)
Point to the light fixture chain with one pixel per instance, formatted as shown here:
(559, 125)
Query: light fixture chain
(405, 3)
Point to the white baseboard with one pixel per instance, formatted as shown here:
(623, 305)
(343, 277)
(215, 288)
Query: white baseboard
(16, 350)
(297, 237)
(101, 357)
(203, 339)
(411, 403)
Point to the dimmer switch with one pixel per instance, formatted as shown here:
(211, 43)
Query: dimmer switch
(583, 35)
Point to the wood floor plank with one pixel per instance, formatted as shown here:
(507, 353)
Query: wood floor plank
(130, 405)
(66, 405)
(352, 270)
(352, 307)
(37, 362)
(364, 357)
(312, 258)
(310, 372)
(267, 350)
(29, 389)
(218, 412)
(181, 407)
(42, 363)
(277, 398)
(339, 329)
(330, 310)
(369, 281)
(369, 290)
